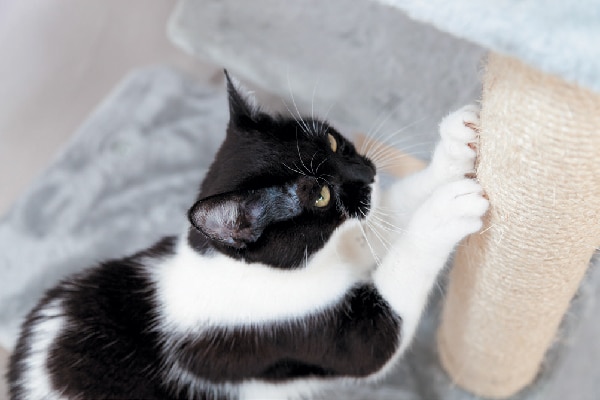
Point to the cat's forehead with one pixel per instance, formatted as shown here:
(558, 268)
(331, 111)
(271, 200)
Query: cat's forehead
(310, 127)
(308, 130)
(263, 149)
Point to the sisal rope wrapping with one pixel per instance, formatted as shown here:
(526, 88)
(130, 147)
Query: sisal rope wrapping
(539, 163)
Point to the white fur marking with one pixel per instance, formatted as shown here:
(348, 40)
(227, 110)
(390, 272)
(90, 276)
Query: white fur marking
(297, 389)
(35, 382)
(197, 290)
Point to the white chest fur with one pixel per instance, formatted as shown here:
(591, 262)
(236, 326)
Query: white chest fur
(196, 290)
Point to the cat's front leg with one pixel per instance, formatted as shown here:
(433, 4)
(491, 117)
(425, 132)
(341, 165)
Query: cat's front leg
(453, 158)
(410, 268)
(436, 208)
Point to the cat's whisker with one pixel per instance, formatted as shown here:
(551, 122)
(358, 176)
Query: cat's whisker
(372, 136)
(312, 106)
(418, 153)
(390, 164)
(325, 126)
(367, 142)
(320, 178)
(312, 159)
(321, 163)
(404, 128)
(392, 134)
(388, 157)
(390, 148)
(374, 229)
(385, 230)
(384, 146)
(386, 138)
(384, 218)
(300, 170)
(300, 155)
(375, 256)
(372, 142)
(375, 147)
(294, 116)
(327, 181)
(383, 222)
(389, 212)
(384, 141)
(296, 170)
(392, 210)
(303, 123)
(373, 133)
(400, 145)
(387, 215)
(391, 157)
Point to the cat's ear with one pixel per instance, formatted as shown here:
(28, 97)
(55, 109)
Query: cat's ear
(243, 107)
(237, 219)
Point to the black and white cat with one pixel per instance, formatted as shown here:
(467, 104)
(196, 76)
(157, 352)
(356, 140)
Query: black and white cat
(294, 274)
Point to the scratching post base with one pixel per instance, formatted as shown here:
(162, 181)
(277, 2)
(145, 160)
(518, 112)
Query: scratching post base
(539, 163)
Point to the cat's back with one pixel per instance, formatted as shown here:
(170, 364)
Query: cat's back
(93, 334)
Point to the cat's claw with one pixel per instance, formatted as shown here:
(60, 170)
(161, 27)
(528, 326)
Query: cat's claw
(461, 125)
(454, 157)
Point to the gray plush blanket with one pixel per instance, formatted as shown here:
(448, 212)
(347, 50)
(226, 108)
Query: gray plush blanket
(125, 179)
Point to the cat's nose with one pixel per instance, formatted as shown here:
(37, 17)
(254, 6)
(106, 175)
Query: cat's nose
(364, 172)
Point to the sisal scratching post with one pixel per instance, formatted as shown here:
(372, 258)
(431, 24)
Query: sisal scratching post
(539, 163)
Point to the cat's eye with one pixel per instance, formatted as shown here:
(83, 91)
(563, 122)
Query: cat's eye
(332, 142)
(324, 197)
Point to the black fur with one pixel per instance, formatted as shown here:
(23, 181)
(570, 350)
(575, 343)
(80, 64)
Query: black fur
(109, 349)
(267, 174)
(353, 339)
(262, 151)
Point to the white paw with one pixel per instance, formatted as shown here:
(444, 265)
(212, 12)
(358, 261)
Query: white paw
(454, 156)
(452, 212)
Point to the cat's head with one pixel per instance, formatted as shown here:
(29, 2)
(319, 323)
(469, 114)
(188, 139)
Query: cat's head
(279, 186)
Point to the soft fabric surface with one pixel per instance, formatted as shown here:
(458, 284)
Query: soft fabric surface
(125, 179)
(360, 63)
(556, 36)
(128, 177)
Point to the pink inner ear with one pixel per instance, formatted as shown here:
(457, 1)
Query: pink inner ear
(225, 221)
(219, 220)
(222, 218)
(237, 219)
